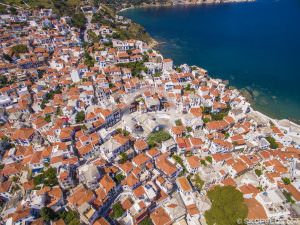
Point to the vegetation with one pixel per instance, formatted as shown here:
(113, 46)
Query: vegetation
(189, 89)
(208, 159)
(198, 182)
(118, 211)
(48, 118)
(286, 180)
(6, 143)
(288, 197)
(227, 135)
(258, 172)
(123, 157)
(136, 67)
(93, 37)
(78, 20)
(206, 120)
(227, 206)
(66, 7)
(133, 31)
(157, 74)
(157, 138)
(179, 160)
(146, 221)
(18, 49)
(47, 177)
(178, 69)
(189, 129)
(58, 111)
(49, 96)
(3, 81)
(203, 162)
(3, 9)
(178, 122)
(80, 117)
(123, 132)
(48, 214)
(88, 60)
(117, 4)
(220, 115)
(273, 144)
(119, 177)
(70, 217)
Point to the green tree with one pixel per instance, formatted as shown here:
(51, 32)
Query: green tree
(203, 162)
(258, 172)
(273, 144)
(136, 67)
(227, 208)
(119, 177)
(3, 9)
(189, 129)
(78, 20)
(48, 118)
(47, 177)
(70, 217)
(80, 116)
(13, 10)
(58, 111)
(93, 37)
(286, 180)
(198, 182)
(20, 48)
(178, 122)
(146, 221)
(48, 214)
(123, 157)
(88, 60)
(208, 159)
(3, 81)
(118, 211)
(288, 197)
(227, 135)
(188, 87)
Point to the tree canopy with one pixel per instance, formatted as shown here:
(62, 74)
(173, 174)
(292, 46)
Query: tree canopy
(227, 208)
(47, 177)
(78, 20)
(80, 116)
(17, 49)
(272, 141)
(118, 211)
(48, 214)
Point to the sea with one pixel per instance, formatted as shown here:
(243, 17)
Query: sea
(253, 45)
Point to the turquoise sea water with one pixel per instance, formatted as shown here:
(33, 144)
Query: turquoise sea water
(254, 45)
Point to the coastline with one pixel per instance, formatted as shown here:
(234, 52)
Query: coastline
(154, 43)
(247, 94)
(201, 2)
